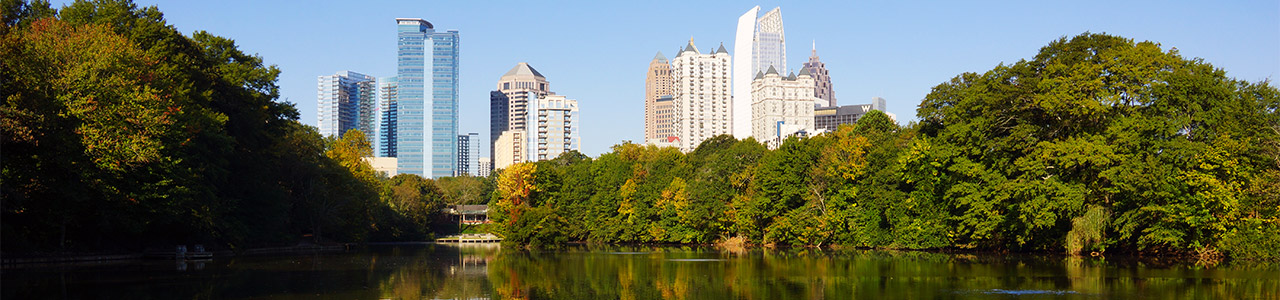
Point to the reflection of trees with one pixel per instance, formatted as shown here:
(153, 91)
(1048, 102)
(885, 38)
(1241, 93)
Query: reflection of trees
(638, 272)
(673, 273)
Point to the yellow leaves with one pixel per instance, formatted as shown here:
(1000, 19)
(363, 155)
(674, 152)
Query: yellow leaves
(847, 155)
(517, 182)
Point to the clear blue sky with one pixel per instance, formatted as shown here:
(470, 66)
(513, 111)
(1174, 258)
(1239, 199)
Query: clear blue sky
(597, 51)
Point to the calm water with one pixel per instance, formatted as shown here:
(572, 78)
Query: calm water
(470, 272)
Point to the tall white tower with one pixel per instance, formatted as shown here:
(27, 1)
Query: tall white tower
(758, 44)
(743, 44)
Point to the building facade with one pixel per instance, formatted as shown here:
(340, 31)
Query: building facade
(701, 100)
(556, 121)
(389, 116)
(821, 80)
(783, 106)
(468, 154)
(427, 99)
(484, 167)
(511, 145)
(830, 118)
(509, 108)
(346, 100)
(657, 84)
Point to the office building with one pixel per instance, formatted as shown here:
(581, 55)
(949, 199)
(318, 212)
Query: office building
(485, 167)
(388, 112)
(783, 106)
(657, 84)
(509, 110)
(830, 118)
(427, 99)
(510, 144)
(468, 154)
(346, 100)
(759, 43)
(702, 101)
(821, 80)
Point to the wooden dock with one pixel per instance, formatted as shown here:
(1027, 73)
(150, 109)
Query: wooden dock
(470, 238)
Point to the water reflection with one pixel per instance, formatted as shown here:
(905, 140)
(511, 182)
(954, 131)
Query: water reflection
(471, 271)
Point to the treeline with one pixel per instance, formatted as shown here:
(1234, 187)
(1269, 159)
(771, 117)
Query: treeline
(121, 133)
(1097, 144)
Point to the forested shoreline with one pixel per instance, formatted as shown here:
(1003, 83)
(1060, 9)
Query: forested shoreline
(120, 133)
(1096, 145)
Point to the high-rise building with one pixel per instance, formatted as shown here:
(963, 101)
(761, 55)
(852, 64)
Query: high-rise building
(657, 84)
(759, 43)
(468, 154)
(783, 105)
(485, 166)
(702, 101)
(509, 110)
(510, 145)
(556, 130)
(821, 80)
(427, 99)
(346, 100)
(665, 114)
(389, 114)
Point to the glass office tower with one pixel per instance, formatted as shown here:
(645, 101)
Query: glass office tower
(427, 133)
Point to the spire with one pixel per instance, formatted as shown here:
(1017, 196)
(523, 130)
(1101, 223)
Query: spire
(804, 72)
(759, 75)
(722, 50)
(771, 71)
(690, 47)
(815, 48)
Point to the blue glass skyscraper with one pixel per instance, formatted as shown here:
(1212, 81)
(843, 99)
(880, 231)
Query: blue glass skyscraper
(426, 137)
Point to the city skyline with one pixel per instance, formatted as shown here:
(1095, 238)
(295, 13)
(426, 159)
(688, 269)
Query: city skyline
(892, 50)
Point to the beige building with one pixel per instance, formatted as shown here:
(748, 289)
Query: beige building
(384, 165)
(657, 85)
(509, 108)
(702, 103)
(510, 145)
(781, 106)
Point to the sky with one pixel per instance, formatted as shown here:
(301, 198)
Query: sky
(598, 52)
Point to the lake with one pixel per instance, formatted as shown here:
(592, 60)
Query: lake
(434, 271)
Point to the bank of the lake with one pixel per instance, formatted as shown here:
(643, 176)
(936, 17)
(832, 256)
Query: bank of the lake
(444, 271)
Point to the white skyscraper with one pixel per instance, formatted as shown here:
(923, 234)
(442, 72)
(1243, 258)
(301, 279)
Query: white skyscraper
(556, 121)
(702, 98)
(758, 44)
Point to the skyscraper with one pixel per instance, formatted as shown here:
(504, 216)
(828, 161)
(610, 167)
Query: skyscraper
(387, 133)
(346, 101)
(759, 43)
(821, 80)
(556, 126)
(509, 110)
(468, 153)
(427, 130)
(702, 98)
(783, 105)
(657, 84)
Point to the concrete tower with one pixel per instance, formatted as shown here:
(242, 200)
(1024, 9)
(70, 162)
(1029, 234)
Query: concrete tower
(702, 101)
